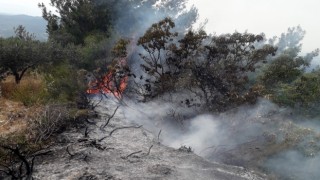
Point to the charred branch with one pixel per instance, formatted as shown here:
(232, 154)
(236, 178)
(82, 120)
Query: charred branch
(137, 152)
(86, 132)
(108, 121)
(125, 127)
(149, 150)
(16, 156)
(159, 136)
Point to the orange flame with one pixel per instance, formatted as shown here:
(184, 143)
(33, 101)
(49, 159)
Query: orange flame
(111, 83)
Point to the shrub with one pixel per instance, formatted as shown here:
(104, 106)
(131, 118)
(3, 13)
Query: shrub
(63, 83)
(302, 94)
(30, 91)
(52, 119)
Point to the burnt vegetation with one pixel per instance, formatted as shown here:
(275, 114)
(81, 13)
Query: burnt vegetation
(96, 43)
(215, 69)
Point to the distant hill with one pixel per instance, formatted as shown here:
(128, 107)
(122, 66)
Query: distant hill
(35, 25)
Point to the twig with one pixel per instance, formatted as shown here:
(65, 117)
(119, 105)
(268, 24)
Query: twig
(94, 143)
(110, 118)
(28, 165)
(159, 136)
(95, 105)
(125, 127)
(148, 151)
(101, 139)
(86, 132)
(132, 154)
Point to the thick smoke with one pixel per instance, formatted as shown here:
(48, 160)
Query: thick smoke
(294, 165)
(262, 136)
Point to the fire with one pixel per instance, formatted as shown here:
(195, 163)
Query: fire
(114, 82)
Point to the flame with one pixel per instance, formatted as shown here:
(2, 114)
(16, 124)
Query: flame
(116, 80)
(112, 82)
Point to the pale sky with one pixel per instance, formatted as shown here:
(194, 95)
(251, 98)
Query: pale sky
(272, 17)
(225, 16)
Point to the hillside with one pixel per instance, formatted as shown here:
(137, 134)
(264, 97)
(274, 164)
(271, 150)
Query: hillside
(35, 25)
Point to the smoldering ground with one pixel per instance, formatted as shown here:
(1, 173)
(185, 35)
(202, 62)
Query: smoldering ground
(261, 136)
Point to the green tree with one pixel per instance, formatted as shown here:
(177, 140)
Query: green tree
(20, 53)
(288, 64)
(302, 94)
(76, 20)
(134, 17)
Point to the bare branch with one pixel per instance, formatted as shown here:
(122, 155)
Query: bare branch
(102, 127)
(125, 127)
(159, 136)
(132, 154)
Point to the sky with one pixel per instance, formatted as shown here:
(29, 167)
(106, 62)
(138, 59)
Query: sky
(272, 17)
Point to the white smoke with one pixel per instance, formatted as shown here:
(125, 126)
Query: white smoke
(256, 136)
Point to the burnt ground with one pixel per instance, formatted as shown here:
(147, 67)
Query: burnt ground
(124, 150)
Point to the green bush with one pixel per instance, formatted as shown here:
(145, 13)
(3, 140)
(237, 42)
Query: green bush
(63, 83)
(302, 94)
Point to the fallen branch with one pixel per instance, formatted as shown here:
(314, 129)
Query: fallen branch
(159, 136)
(132, 154)
(102, 127)
(148, 151)
(125, 127)
(86, 132)
(101, 139)
(18, 172)
(94, 143)
(93, 106)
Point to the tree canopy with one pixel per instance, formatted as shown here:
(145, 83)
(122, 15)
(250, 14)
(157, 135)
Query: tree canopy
(20, 53)
(216, 67)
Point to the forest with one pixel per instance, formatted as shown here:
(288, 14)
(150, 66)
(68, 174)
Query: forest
(142, 51)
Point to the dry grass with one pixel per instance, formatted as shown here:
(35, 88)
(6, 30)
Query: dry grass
(31, 90)
(20, 102)
(14, 116)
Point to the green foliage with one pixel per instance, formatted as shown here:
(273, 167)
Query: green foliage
(20, 53)
(288, 65)
(284, 78)
(90, 55)
(76, 20)
(283, 69)
(303, 93)
(136, 15)
(120, 48)
(63, 83)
